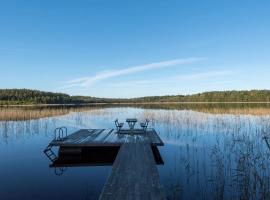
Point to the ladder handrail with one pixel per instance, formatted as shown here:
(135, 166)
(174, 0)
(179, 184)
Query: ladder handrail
(59, 170)
(49, 153)
(62, 132)
(65, 128)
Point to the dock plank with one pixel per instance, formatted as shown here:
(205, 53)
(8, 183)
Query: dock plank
(91, 137)
(112, 137)
(134, 174)
(104, 138)
(104, 134)
(83, 133)
(107, 137)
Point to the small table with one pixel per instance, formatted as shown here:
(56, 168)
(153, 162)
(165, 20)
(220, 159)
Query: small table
(131, 122)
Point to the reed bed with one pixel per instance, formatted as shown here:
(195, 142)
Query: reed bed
(26, 113)
(238, 111)
(215, 108)
(19, 114)
(224, 155)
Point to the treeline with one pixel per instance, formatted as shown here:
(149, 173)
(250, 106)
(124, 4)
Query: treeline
(215, 96)
(26, 96)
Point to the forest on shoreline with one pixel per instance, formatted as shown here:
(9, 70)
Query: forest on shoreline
(27, 96)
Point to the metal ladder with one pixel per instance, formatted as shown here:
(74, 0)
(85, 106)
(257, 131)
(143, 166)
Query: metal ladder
(50, 154)
(59, 170)
(60, 133)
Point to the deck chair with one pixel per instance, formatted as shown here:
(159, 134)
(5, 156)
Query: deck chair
(144, 125)
(118, 125)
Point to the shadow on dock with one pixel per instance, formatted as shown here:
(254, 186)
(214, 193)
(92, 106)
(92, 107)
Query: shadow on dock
(93, 156)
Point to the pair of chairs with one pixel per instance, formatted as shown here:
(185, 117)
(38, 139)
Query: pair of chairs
(143, 125)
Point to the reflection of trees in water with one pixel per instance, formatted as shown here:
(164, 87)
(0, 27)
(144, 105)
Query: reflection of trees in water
(214, 108)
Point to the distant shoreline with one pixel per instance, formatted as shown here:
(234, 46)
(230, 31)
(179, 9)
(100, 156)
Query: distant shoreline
(130, 103)
(27, 97)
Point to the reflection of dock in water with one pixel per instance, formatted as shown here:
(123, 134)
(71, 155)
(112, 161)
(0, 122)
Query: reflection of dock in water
(133, 154)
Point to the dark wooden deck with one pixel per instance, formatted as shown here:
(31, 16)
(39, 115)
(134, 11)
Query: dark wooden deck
(107, 137)
(134, 174)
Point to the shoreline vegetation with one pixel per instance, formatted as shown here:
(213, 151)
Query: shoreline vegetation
(128, 103)
(20, 114)
(23, 104)
(36, 97)
(28, 112)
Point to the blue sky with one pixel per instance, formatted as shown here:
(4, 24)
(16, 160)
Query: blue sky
(134, 48)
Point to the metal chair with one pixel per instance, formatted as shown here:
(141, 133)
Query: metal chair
(118, 125)
(144, 125)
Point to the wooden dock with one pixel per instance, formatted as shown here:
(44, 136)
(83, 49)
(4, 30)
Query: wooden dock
(107, 137)
(134, 173)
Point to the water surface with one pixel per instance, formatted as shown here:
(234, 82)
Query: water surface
(206, 156)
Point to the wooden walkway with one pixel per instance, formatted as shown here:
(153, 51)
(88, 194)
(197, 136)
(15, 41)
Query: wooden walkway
(134, 174)
(107, 137)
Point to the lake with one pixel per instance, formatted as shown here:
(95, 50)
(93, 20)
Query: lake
(209, 152)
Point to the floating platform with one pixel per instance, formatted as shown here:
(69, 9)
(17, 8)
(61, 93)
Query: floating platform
(107, 137)
(133, 154)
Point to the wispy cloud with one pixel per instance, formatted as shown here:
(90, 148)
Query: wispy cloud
(88, 81)
(199, 76)
(203, 75)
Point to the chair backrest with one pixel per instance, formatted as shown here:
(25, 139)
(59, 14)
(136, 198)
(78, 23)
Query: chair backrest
(146, 122)
(116, 122)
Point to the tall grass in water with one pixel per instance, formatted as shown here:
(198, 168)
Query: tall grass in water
(238, 111)
(37, 112)
(26, 113)
(226, 156)
(19, 114)
(215, 108)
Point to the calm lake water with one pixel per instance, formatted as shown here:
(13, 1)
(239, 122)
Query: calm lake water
(206, 156)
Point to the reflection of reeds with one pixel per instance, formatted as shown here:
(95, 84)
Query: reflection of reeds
(267, 142)
(240, 161)
(214, 108)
